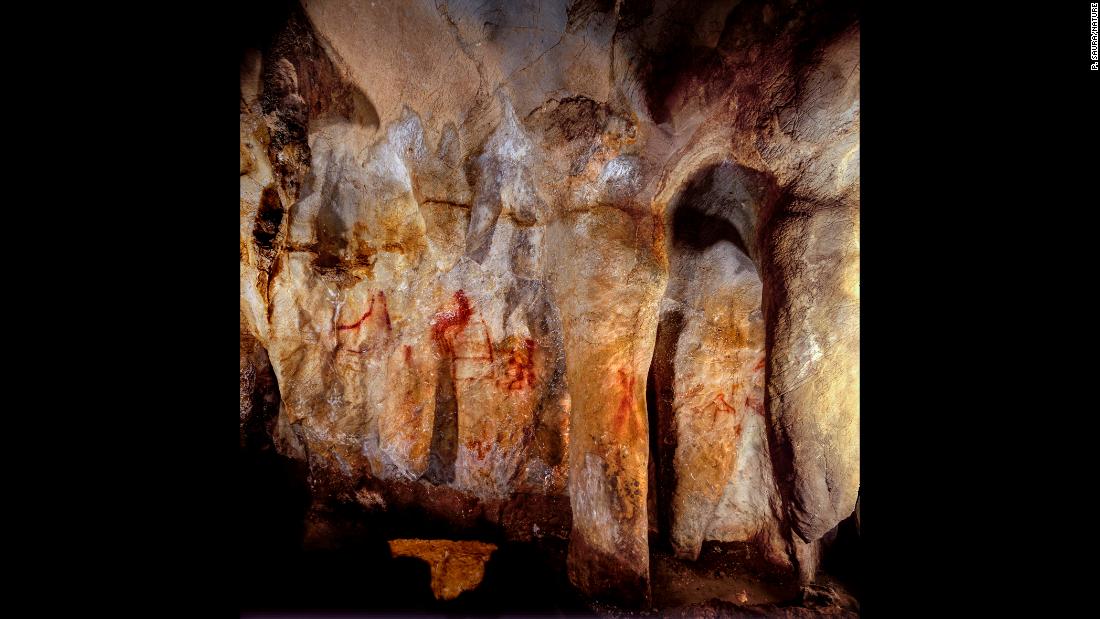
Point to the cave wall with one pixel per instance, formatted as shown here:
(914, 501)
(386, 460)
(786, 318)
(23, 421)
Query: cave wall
(473, 235)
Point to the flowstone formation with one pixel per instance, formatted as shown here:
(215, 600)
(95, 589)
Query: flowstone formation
(586, 269)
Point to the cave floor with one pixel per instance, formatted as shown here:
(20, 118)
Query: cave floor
(299, 564)
(729, 572)
(528, 579)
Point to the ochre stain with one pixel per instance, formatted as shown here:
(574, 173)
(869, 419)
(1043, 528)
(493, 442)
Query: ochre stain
(408, 355)
(478, 447)
(356, 324)
(720, 405)
(455, 566)
(370, 311)
(625, 410)
(660, 251)
(520, 372)
(451, 319)
(385, 310)
(449, 323)
(755, 405)
(488, 342)
(759, 365)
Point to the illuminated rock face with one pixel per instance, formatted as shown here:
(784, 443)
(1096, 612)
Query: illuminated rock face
(709, 369)
(475, 234)
(455, 566)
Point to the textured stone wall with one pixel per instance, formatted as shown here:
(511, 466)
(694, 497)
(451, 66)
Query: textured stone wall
(474, 235)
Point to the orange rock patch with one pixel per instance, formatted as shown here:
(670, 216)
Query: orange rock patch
(456, 566)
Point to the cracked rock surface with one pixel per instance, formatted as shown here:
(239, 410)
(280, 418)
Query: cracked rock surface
(585, 268)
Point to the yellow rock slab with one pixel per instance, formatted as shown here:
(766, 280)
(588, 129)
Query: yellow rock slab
(456, 566)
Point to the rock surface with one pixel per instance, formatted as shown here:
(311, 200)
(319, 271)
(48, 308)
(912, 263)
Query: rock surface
(473, 235)
(455, 566)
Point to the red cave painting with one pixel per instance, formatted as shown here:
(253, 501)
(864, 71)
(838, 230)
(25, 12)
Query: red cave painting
(520, 372)
(385, 311)
(488, 342)
(370, 310)
(449, 321)
(754, 398)
(625, 411)
(355, 326)
(720, 406)
(447, 324)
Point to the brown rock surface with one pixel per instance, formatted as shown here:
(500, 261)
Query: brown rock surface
(456, 566)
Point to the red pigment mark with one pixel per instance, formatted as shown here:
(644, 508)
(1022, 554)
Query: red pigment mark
(365, 316)
(477, 447)
(448, 323)
(385, 310)
(369, 312)
(362, 319)
(521, 367)
(488, 348)
(456, 318)
(408, 354)
(488, 342)
(759, 365)
(755, 405)
(720, 405)
(625, 411)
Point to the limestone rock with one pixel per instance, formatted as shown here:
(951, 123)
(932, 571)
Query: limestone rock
(814, 389)
(474, 235)
(709, 367)
(456, 566)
